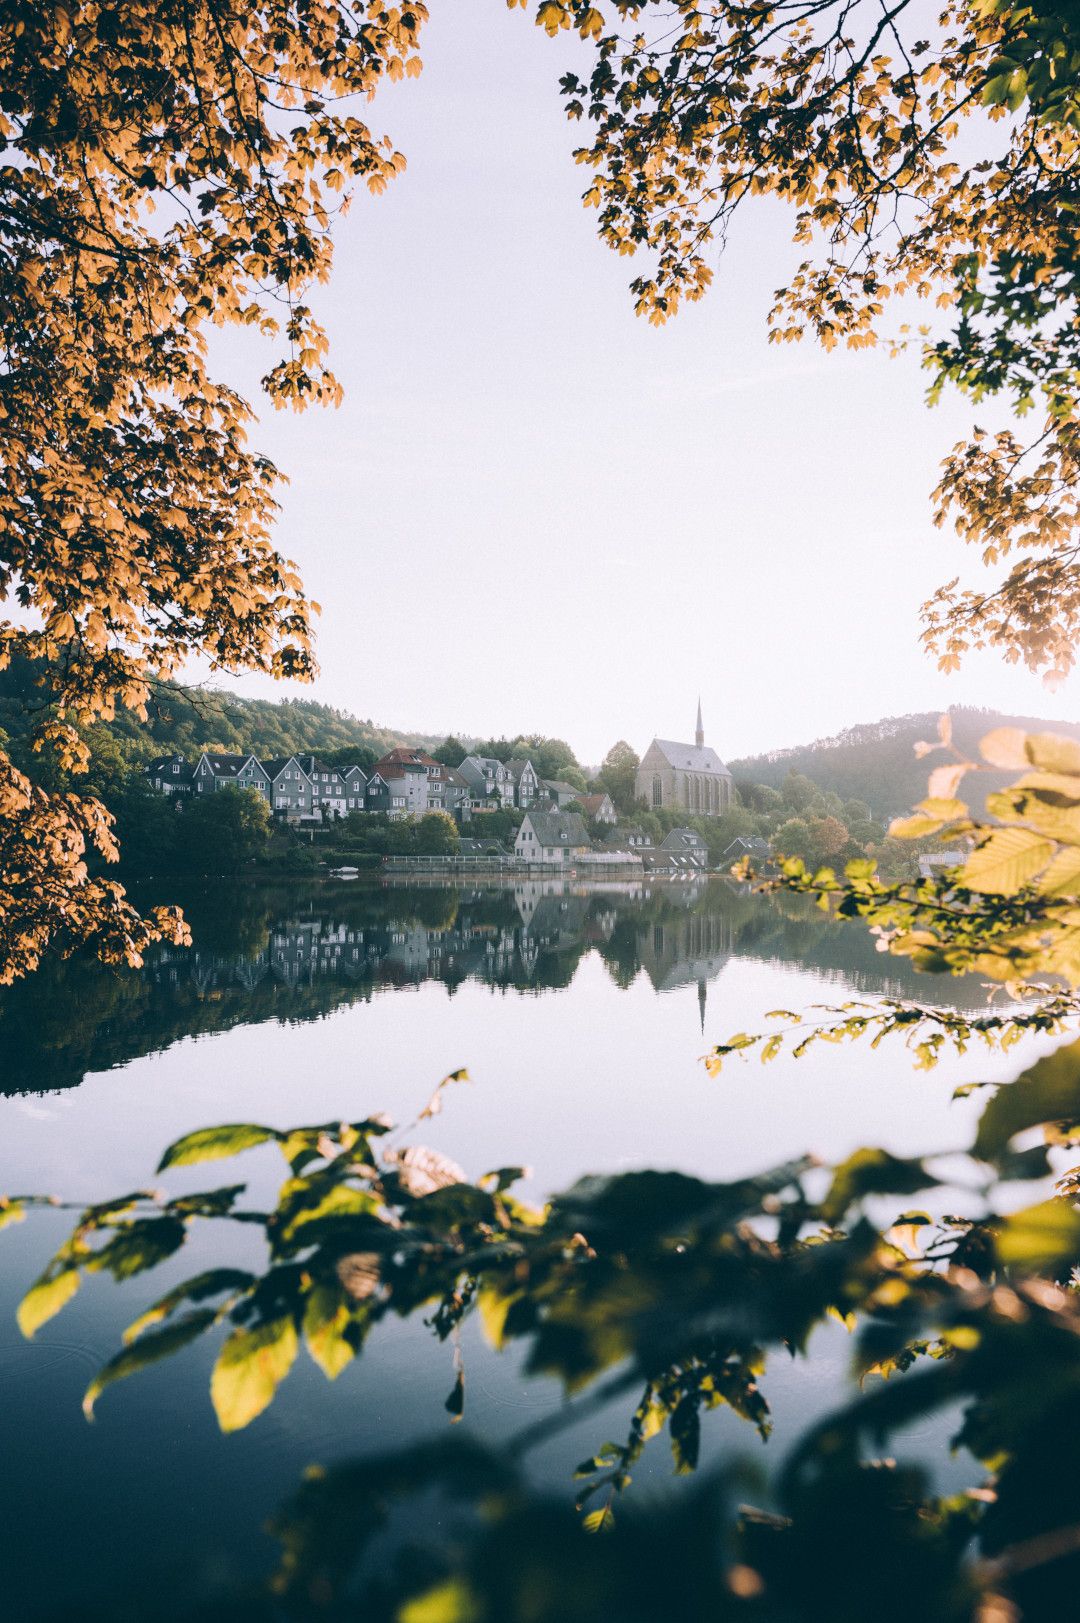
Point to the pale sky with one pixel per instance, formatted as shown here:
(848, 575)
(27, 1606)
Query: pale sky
(534, 512)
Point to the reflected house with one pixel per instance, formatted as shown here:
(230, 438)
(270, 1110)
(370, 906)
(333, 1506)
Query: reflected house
(684, 777)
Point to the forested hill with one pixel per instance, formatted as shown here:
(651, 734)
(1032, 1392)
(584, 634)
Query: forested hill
(192, 719)
(876, 761)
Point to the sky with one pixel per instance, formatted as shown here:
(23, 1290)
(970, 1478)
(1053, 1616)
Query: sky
(536, 513)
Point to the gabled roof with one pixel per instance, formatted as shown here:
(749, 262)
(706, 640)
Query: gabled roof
(694, 757)
(274, 769)
(557, 827)
(226, 766)
(311, 764)
(743, 843)
(683, 839)
(559, 787)
(348, 771)
(593, 803)
(517, 766)
(167, 760)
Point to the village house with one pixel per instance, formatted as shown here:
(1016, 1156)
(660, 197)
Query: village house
(291, 796)
(385, 795)
(526, 782)
(561, 794)
(327, 786)
(170, 774)
(688, 845)
(356, 781)
(689, 777)
(552, 836)
(599, 809)
(746, 845)
(214, 771)
(491, 783)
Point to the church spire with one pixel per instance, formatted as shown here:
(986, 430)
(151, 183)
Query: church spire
(699, 736)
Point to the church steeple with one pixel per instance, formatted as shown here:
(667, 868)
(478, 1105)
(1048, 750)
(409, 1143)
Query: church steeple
(699, 736)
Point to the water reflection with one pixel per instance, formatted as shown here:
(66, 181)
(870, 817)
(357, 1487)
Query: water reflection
(297, 952)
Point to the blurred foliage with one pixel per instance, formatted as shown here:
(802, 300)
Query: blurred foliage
(673, 1291)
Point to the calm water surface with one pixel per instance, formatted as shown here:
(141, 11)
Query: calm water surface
(581, 1015)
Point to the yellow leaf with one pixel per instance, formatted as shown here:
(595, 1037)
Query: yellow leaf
(45, 1299)
(250, 1368)
(1006, 861)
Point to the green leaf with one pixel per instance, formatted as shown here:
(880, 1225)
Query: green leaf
(326, 1318)
(250, 1368)
(1048, 1092)
(149, 1349)
(45, 1299)
(196, 1289)
(215, 1144)
(599, 1521)
(11, 1211)
(1045, 1236)
(872, 1172)
(137, 1246)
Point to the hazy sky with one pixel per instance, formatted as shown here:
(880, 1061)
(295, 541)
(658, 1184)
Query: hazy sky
(534, 512)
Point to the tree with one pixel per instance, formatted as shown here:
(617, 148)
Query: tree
(451, 752)
(798, 792)
(618, 774)
(436, 835)
(878, 129)
(223, 832)
(153, 186)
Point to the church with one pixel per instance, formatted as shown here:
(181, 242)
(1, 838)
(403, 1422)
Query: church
(684, 777)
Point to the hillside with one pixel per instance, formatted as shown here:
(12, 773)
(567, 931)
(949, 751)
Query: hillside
(876, 761)
(193, 719)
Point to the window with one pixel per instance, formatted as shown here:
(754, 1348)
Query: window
(657, 790)
(176, 769)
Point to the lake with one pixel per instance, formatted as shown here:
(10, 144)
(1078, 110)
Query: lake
(581, 1013)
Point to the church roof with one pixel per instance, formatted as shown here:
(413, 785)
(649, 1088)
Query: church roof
(695, 757)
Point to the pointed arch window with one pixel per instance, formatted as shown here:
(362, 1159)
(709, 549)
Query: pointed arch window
(657, 789)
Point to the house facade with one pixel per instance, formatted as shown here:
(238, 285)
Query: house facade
(327, 786)
(526, 782)
(559, 793)
(687, 777)
(170, 774)
(552, 836)
(491, 783)
(599, 809)
(213, 772)
(291, 795)
(687, 845)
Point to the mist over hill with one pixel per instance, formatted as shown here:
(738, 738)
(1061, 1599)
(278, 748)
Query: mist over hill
(876, 761)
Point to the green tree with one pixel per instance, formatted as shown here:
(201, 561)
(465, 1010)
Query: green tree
(223, 832)
(437, 835)
(451, 752)
(617, 776)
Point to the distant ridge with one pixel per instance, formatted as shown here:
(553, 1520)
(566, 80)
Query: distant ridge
(875, 761)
